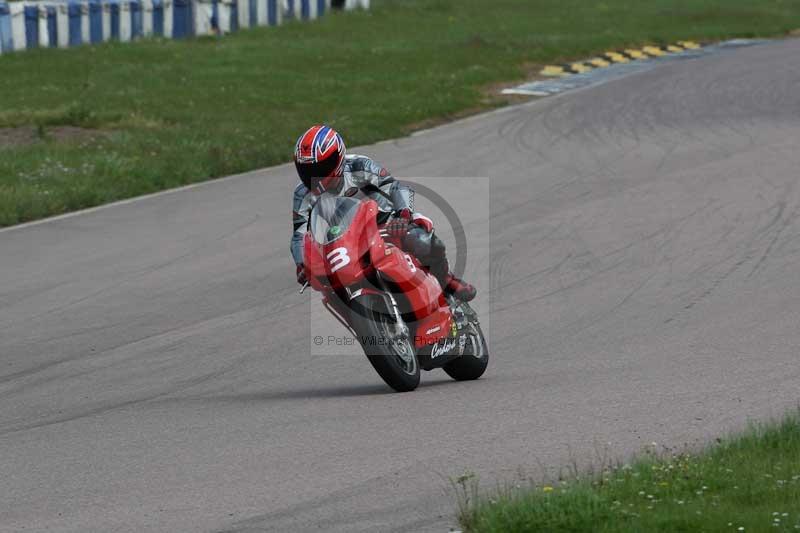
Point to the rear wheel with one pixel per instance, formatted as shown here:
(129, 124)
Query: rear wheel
(387, 345)
(473, 363)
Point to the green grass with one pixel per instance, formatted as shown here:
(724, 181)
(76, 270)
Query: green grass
(751, 481)
(179, 112)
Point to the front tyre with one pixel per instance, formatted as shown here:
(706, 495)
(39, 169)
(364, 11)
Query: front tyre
(473, 363)
(387, 345)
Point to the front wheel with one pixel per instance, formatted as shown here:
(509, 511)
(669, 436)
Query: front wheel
(387, 345)
(473, 363)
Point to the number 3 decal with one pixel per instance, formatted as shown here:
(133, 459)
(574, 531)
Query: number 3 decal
(338, 259)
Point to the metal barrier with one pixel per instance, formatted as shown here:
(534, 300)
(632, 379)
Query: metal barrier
(66, 23)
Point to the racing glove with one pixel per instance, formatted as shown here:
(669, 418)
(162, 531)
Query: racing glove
(414, 218)
(423, 222)
(397, 229)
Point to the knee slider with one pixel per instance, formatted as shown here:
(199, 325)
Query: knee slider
(438, 249)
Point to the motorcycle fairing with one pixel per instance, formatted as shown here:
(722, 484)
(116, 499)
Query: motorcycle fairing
(343, 263)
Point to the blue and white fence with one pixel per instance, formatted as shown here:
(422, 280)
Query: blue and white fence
(65, 23)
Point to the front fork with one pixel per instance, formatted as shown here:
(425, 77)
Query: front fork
(339, 310)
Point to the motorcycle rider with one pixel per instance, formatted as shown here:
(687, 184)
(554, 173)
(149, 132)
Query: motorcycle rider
(324, 167)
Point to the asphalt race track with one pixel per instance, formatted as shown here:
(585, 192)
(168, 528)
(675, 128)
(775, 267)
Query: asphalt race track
(155, 368)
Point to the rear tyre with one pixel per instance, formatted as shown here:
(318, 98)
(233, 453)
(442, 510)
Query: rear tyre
(473, 363)
(387, 345)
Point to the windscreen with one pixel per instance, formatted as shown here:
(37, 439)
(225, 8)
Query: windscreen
(331, 217)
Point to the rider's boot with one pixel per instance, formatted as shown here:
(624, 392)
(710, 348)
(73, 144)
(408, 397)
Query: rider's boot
(451, 284)
(459, 288)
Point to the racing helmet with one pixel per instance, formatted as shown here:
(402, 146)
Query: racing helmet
(319, 159)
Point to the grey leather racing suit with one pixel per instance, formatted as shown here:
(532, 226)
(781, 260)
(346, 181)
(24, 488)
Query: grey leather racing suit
(364, 177)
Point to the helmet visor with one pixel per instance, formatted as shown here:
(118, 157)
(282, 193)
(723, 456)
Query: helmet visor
(311, 174)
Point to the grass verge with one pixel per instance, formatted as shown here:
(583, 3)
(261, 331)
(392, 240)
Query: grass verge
(749, 482)
(167, 113)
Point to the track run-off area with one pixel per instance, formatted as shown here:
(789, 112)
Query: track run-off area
(644, 242)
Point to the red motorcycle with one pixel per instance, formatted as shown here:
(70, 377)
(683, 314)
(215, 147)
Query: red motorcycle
(392, 305)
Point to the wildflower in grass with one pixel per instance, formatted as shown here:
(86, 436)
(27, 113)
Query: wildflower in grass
(547, 488)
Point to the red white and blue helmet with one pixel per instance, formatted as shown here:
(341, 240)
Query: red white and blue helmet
(319, 159)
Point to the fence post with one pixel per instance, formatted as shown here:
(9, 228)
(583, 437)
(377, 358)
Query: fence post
(52, 25)
(6, 40)
(147, 17)
(85, 34)
(136, 19)
(95, 21)
(31, 26)
(181, 18)
(125, 30)
(41, 23)
(169, 11)
(17, 15)
(158, 18)
(106, 20)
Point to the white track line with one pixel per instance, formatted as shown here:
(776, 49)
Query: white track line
(135, 199)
